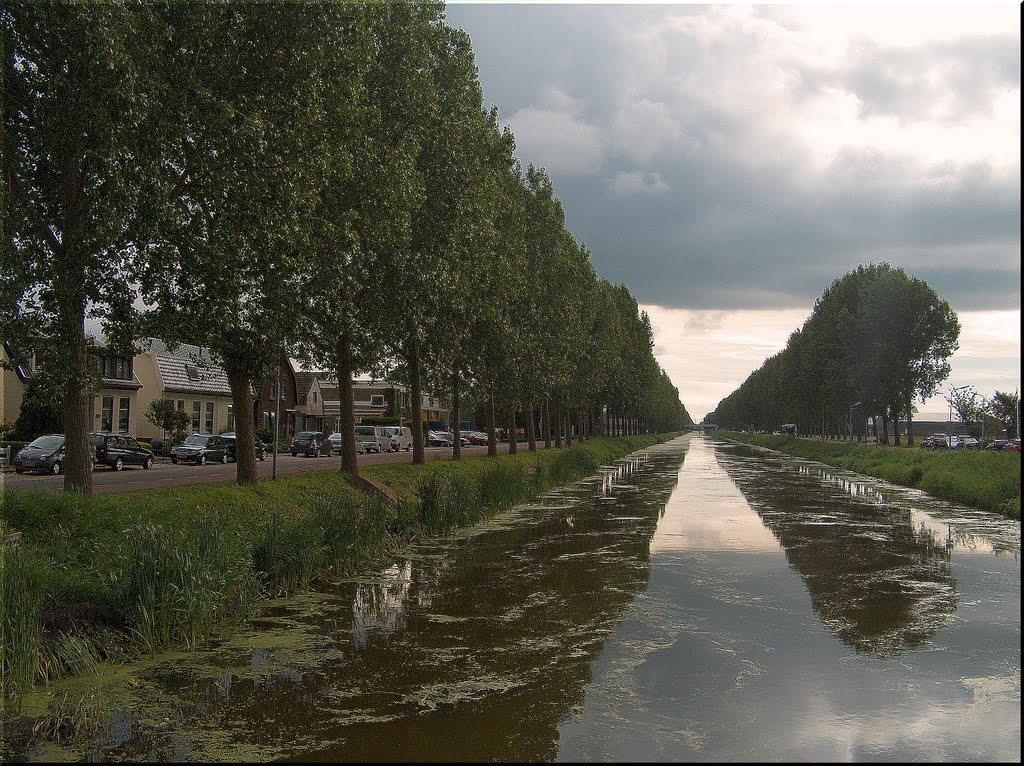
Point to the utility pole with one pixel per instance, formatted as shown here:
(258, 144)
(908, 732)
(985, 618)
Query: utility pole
(277, 422)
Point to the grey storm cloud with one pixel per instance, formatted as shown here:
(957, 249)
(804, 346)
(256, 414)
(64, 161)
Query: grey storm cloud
(673, 137)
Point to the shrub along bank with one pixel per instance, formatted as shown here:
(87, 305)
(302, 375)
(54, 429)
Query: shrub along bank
(96, 579)
(986, 480)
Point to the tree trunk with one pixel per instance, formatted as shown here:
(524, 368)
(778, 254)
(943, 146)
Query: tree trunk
(77, 399)
(547, 424)
(513, 447)
(347, 412)
(245, 441)
(531, 433)
(579, 419)
(558, 426)
(456, 427)
(567, 420)
(418, 457)
(492, 435)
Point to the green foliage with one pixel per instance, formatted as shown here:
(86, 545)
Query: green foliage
(877, 338)
(164, 414)
(986, 480)
(40, 412)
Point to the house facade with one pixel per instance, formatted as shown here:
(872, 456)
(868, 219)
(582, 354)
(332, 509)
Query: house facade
(191, 379)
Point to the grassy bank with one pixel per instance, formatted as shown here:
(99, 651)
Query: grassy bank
(97, 579)
(986, 480)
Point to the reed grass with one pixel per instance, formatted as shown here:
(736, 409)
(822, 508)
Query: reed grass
(989, 481)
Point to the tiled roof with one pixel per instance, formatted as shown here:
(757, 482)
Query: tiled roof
(134, 383)
(189, 369)
(304, 382)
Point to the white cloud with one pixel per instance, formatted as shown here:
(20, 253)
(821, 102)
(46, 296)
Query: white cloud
(555, 136)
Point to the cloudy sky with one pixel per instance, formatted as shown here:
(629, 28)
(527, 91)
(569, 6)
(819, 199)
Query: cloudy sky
(729, 162)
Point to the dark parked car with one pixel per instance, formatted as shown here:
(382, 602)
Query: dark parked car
(438, 439)
(230, 438)
(201, 449)
(119, 450)
(310, 444)
(996, 445)
(45, 455)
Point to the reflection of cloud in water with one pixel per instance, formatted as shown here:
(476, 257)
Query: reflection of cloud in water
(710, 513)
(380, 606)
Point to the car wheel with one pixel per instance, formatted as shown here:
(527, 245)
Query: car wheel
(148, 463)
(55, 469)
(295, 454)
(118, 464)
(224, 458)
(19, 470)
(201, 460)
(263, 456)
(174, 461)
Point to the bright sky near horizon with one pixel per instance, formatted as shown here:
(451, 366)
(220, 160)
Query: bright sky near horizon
(728, 162)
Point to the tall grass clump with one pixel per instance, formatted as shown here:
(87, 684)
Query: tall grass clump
(21, 603)
(503, 485)
(175, 581)
(288, 553)
(352, 531)
(448, 500)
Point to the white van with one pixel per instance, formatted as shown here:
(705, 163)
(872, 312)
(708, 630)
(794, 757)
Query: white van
(397, 438)
(369, 438)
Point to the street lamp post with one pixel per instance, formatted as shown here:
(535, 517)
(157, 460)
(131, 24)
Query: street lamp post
(276, 386)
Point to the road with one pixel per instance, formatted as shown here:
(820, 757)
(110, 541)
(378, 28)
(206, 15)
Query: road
(165, 474)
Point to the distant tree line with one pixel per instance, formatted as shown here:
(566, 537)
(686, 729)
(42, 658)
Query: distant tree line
(876, 339)
(318, 179)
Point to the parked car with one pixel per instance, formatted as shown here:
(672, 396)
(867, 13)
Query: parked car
(335, 440)
(231, 439)
(43, 455)
(119, 450)
(969, 442)
(935, 441)
(310, 444)
(397, 438)
(369, 439)
(997, 445)
(478, 438)
(201, 449)
(1013, 446)
(438, 439)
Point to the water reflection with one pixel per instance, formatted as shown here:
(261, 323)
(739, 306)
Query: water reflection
(473, 647)
(879, 578)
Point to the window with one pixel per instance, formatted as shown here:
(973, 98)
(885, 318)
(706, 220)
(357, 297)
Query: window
(181, 404)
(209, 418)
(313, 395)
(231, 417)
(118, 367)
(192, 371)
(122, 414)
(268, 419)
(107, 414)
(197, 413)
(377, 400)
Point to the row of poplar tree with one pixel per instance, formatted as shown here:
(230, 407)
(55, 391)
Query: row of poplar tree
(876, 339)
(315, 179)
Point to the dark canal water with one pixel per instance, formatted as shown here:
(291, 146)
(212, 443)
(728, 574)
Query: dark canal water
(701, 601)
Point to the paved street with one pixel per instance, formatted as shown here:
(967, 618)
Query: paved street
(165, 474)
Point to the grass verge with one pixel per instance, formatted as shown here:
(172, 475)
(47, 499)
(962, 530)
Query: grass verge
(989, 481)
(103, 578)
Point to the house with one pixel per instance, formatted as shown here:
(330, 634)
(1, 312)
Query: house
(187, 376)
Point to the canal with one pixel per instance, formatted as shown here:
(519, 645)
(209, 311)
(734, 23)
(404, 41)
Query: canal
(699, 600)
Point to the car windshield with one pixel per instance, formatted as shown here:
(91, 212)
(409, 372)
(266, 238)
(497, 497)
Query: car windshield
(304, 435)
(47, 442)
(97, 439)
(364, 430)
(196, 441)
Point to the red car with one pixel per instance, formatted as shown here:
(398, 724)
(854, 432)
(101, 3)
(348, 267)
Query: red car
(1013, 446)
(478, 439)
